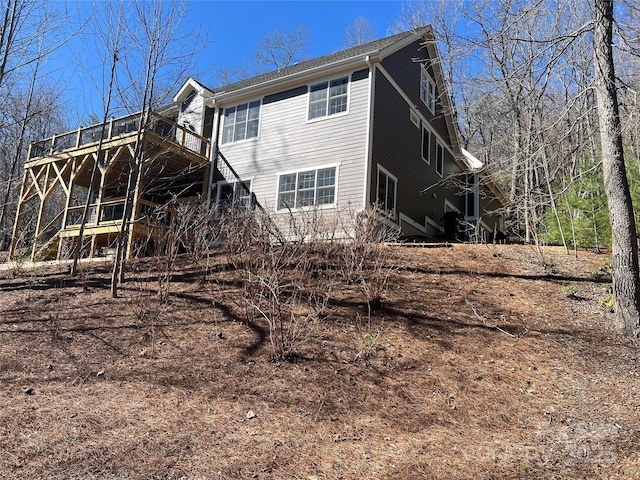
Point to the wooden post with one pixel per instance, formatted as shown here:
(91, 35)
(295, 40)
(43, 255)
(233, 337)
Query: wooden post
(43, 198)
(79, 137)
(110, 133)
(14, 237)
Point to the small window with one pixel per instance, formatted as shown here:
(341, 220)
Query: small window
(241, 122)
(187, 101)
(307, 188)
(328, 98)
(415, 119)
(234, 195)
(426, 145)
(470, 194)
(439, 158)
(427, 90)
(386, 194)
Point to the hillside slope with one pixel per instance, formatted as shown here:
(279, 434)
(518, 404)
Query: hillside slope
(484, 362)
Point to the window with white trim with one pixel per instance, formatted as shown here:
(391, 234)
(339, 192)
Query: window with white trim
(241, 122)
(328, 98)
(439, 158)
(386, 193)
(427, 90)
(426, 145)
(415, 119)
(234, 195)
(307, 188)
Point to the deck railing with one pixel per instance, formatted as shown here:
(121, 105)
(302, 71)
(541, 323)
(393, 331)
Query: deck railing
(116, 127)
(113, 211)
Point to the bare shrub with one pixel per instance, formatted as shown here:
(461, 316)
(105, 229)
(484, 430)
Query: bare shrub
(366, 257)
(285, 283)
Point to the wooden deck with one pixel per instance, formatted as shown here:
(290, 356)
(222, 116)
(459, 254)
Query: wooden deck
(62, 170)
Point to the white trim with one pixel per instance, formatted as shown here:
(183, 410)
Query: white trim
(428, 159)
(431, 95)
(451, 206)
(307, 169)
(435, 165)
(233, 182)
(395, 192)
(433, 223)
(418, 226)
(368, 155)
(250, 139)
(414, 117)
(315, 75)
(425, 123)
(328, 82)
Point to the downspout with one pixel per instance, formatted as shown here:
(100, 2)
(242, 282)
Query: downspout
(366, 198)
(213, 160)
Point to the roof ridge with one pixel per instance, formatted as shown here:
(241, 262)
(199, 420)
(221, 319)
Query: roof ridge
(317, 62)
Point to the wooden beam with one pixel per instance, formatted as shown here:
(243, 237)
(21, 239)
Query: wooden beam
(14, 237)
(40, 211)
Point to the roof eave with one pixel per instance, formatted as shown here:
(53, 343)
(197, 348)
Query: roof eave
(278, 84)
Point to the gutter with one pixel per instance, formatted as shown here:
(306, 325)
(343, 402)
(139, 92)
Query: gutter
(278, 83)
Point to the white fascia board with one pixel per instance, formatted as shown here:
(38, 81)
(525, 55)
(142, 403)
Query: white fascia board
(280, 84)
(472, 162)
(191, 83)
(419, 33)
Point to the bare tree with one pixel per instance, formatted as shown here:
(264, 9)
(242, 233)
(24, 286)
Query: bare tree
(361, 31)
(157, 53)
(626, 272)
(112, 44)
(281, 49)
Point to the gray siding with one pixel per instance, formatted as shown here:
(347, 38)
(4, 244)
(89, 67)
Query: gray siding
(397, 147)
(287, 142)
(406, 73)
(192, 114)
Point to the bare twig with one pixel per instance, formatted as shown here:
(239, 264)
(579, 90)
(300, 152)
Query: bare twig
(485, 322)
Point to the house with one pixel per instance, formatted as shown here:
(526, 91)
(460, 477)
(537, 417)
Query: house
(368, 125)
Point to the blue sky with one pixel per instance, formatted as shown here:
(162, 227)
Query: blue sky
(230, 32)
(235, 27)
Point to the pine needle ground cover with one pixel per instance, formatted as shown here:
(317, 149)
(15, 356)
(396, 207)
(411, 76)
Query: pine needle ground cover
(478, 362)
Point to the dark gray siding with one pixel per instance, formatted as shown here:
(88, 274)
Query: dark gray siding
(405, 70)
(397, 147)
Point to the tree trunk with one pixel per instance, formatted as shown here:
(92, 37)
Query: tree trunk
(626, 282)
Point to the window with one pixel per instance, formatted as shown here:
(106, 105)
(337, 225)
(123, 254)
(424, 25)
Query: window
(439, 158)
(307, 188)
(241, 122)
(470, 194)
(187, 101)
(328, 98)
(427, 90)
(426, 145)
(415, 119)
(234, 195)
(386, 196)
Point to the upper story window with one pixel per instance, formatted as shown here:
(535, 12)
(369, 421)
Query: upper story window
(241, 122)
(415, 119)
(439, 158)
(427, 90)
(328, 98)
(187, 101)
(426, 145)
(307, 188)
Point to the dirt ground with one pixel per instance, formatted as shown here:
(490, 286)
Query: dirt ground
(483, 362)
